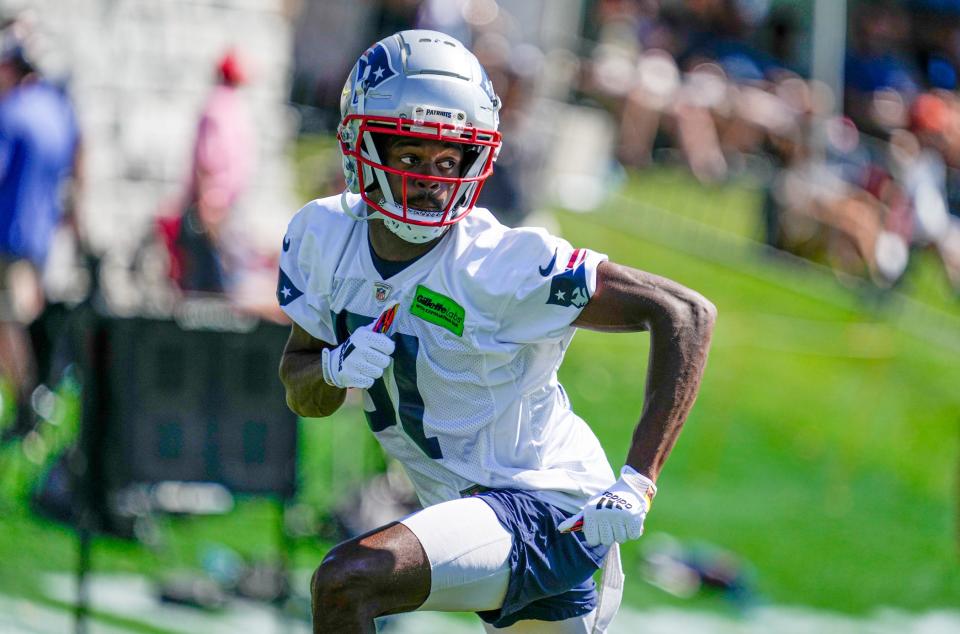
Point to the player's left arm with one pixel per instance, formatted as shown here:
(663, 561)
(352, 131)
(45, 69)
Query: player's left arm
(680, 322)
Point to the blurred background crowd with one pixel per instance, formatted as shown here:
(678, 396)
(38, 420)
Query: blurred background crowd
(172, 131)
(849, 126)
(856, 150)
(152, 153)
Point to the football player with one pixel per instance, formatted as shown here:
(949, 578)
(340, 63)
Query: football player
(454, 326)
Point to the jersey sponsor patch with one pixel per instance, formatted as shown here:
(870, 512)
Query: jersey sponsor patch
(286, 291)
(570, 288)
(438, 309)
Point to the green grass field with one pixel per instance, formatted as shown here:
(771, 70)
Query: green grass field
(822, 450)
(823, 447)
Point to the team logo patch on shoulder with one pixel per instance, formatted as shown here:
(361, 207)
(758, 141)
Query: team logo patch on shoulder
(438, 309)
(286, 291)
(570, 288)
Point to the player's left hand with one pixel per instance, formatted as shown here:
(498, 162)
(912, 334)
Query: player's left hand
(617, 514)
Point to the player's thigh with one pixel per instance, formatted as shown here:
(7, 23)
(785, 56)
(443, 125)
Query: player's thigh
(576, 625)
(385, 569)
(469, 554)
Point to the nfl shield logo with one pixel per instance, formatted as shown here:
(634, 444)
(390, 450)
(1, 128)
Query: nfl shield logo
(381, 291)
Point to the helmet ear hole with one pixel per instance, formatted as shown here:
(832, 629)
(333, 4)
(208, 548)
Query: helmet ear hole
(382, 143)
(375, 178)
(471, 154)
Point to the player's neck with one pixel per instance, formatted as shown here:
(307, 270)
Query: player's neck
(391, 247)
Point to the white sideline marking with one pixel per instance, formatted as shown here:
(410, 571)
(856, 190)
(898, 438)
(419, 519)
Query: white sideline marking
(20, 616)
(786, 620)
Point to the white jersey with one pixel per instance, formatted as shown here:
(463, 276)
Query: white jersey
(471, 396)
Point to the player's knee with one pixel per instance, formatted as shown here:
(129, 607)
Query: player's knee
(344, 581)
(335, 585)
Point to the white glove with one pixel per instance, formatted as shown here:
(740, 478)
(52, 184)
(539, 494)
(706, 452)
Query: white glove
(358, 361)
(617, 514)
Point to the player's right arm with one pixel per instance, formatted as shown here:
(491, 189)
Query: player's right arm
(313, 244)
(315, 373)
(301, 371)
(310, 367)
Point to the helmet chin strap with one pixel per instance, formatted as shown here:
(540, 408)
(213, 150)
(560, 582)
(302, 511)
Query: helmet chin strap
(413, 233)
(416, 234)
(345, 206)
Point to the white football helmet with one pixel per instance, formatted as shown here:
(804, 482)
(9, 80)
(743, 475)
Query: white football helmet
(424, 85)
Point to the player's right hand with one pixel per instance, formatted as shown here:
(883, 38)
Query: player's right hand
(358, 361)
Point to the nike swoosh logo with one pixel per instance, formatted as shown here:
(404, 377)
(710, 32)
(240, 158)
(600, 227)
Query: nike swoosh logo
(545, 270)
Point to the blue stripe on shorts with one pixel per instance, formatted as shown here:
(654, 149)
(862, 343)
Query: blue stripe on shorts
(551, 573)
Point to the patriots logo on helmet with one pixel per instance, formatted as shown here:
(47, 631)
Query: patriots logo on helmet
(373, 68)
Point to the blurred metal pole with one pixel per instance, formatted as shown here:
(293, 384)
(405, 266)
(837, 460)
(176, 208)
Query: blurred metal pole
(829, 42)
(82, 607)
(283, 622)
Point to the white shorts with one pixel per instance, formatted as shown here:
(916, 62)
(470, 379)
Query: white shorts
(469, 553)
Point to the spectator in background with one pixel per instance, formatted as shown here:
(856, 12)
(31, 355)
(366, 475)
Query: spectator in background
(710, 91)
(880, 82)
(222, 164)
(722, 31)
(917, 156)
(781, 34)
(937, 48)
(39, 146)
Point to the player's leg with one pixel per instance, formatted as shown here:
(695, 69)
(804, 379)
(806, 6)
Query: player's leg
(448, 557)
(454, 556)
(550, 586)
(468, 550)
(383, 572)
